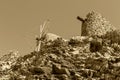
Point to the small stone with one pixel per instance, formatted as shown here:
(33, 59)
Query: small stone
(116, 64)
(53, 56)
(75, 52)
(64, 71)
(107, 55)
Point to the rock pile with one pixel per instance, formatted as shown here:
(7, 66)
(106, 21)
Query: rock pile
(6, 63)
(80, 58)
(62, 61)
(8, 60)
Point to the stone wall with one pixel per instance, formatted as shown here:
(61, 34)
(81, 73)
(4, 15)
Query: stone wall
(95, 24)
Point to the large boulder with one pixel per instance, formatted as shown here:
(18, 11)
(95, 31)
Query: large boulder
(80, 38)
(51, 36)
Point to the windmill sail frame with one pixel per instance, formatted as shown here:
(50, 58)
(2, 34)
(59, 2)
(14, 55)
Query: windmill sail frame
(39, 41)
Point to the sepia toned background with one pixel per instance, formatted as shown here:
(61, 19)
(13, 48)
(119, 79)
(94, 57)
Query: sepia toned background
(20, 19)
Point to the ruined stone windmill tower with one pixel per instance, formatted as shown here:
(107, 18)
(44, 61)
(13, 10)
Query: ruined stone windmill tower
(41, 35)
(95, 24)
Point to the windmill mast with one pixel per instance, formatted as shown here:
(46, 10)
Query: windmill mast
(39, 41)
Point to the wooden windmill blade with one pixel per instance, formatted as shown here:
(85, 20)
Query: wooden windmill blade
(44, 28)
(44, 24)
(41, 30)
(47, 27)
(41, 34)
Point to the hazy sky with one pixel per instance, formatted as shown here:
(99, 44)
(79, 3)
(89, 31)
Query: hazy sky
(20, 19)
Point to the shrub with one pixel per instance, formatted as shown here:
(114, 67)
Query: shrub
(74, 42)
(36, 70)
(58, 43)
(95, 45)
(113, 36)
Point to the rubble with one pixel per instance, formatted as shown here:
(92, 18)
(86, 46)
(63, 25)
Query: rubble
(80, 58)
(8, 60)
(56, 69)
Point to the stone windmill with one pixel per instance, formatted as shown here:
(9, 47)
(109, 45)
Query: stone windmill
(95, 24)
(41, 35)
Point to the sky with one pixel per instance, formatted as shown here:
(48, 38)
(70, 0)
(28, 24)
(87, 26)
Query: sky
(20, 20)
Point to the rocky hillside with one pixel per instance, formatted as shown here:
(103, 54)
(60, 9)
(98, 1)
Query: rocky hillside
(79, 58)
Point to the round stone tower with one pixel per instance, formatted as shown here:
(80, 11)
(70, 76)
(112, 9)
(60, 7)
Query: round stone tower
(95, 24)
